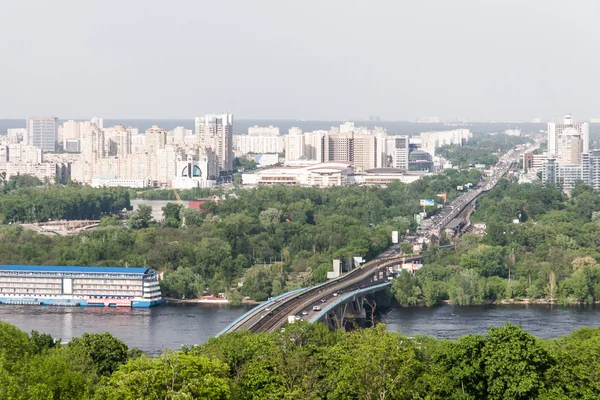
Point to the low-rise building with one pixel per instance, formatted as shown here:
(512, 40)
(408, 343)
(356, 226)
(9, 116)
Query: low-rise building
(322, 175)
(328, 174)
(384, 176)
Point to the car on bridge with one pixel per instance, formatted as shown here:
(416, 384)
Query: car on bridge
(316, 308)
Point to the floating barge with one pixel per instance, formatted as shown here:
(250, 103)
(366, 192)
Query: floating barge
(69, 286)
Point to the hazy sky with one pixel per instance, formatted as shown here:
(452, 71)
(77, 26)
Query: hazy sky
(311, 59)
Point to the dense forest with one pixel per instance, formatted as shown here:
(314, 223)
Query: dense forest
(481, 149)
(305, 362)
(539, 245)
(26, 199)
(272, 238)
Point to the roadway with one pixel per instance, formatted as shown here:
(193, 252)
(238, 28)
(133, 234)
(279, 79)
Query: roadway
(301, 305)
(306, 304)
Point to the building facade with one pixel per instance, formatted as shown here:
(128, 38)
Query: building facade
(215, 131)
(591, 169)
(432, 140)
(246, 144)
(397, 152)
(41, 132)
(79, 286)
(555, 131)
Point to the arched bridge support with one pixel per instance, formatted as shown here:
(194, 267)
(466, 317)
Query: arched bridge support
(348, 307)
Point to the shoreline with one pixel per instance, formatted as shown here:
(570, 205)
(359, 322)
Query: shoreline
(210, 301)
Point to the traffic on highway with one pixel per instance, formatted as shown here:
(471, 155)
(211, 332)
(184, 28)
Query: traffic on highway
(308, 304)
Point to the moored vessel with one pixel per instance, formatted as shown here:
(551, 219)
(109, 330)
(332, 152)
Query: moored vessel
(79, 286)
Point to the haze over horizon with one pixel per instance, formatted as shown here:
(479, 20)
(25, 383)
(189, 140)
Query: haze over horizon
(341, 60)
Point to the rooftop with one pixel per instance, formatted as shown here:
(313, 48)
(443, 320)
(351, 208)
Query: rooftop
(73, 269)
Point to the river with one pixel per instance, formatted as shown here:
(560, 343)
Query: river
(170, 326)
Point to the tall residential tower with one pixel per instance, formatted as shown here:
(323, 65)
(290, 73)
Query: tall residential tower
(215, 131)
(41, 132)
(567, 128)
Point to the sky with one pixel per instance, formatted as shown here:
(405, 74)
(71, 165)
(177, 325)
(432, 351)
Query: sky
(310, 59)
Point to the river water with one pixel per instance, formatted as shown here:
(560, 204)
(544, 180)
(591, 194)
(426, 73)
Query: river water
(170, 326)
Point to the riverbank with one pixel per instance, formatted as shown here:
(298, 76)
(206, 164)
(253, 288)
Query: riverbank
(554, 302)
(212, 300)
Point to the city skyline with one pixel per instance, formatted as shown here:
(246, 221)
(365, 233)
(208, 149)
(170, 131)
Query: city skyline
(502, 61)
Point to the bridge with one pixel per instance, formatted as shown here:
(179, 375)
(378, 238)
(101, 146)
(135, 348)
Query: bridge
(61, 228)
(331, 302)
(334, 301)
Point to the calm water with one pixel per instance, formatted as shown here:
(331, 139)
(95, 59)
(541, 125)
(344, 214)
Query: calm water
(155, 329)
(152, 330)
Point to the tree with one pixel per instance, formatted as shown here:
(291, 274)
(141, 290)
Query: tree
(182, 283)
(172, 215)
(141, 218)
(269, 217)
(105, 351)
(41, 341)
(258, 282)
(515, 363)
(15, 345)
(372, 364)
(192, 216)
(241, 164)
(170, 376)
(110, 220)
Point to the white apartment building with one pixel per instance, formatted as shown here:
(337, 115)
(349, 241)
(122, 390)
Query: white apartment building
(179, 135)
(569, 147)
(568, 175)
(215, 131)
(314, 145)
(263, 130)
(556, 130)
(16, 135)
(432, 140)
(76, 130)
(363, 149)
(41, 132)
(20, 159)
(591, 169)
(246, 144)
(294, 145)
(120, 156)
(42, 171)
(20, 153)
(397, 150)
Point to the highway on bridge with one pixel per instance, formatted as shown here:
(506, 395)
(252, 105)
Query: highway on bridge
(308, 303)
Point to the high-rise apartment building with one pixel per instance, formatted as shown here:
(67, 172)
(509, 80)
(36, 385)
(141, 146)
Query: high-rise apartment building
(432, 140)
(259, 140)
(215, 131)
(294, 145)
(156, 139)
(314, 145)
(363, 151)
(41, 132)
(263, 130)
(567, 128)
(591, 169)
(397, 152)
(569, 146)
(246, 144)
